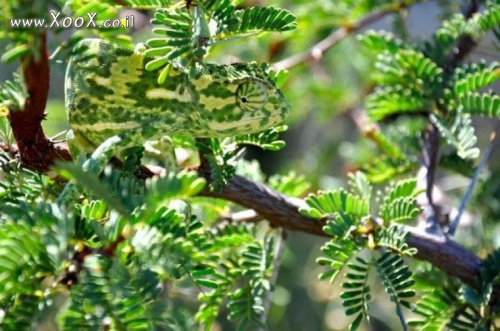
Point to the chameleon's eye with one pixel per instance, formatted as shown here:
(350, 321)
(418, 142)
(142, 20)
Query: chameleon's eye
(251, 95)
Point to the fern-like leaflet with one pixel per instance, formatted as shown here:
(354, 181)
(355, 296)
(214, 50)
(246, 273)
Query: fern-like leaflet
(443, 308)
(356, 294)
(267, 139)
(460, 134)
(397, 280)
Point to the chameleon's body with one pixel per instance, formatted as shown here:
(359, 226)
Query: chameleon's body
(114, 103)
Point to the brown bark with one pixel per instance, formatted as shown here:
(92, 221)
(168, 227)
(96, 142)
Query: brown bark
(35, 150)
(281, 211)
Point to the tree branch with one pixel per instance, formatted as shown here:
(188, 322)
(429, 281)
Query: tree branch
(35, 149)
(336, 36)
(282, 211)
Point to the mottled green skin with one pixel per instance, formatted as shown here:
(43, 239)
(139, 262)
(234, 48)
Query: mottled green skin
(110, 96)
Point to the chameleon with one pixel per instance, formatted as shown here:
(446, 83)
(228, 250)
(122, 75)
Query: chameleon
(113, 102)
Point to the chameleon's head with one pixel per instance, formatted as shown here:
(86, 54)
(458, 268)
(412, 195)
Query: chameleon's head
(239, 99)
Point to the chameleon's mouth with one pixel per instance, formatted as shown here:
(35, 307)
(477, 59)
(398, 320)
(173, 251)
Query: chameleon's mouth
(272, 120)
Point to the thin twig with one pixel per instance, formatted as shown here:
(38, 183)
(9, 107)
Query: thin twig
(336, 36)
(465, 201)
(430, 154)
(401, 316)
(431, 137)
(278, 255)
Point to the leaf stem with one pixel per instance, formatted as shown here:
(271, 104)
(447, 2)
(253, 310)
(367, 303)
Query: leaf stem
(278, 255)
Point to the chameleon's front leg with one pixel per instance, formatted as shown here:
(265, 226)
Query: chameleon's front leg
(103, 154)
(97, 161)
(114, 145)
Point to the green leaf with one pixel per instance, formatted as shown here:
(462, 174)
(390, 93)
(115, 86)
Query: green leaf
(332, 202)
(443, 308)
(202, 272)
(490, 275)
(100, 189)
(180, 38)
(397, 279)
(13, 94)
(339, 250)
(379, 41)
(394, 238)
(490, 18)
(267, 139)
(207, 283)
(384, 143)
(388, 101)
(290, 184)
(384, 168)
(23, 260)
(357, 293)
(460, 134)
(257, 19)
(453, 162)
(402, 189)
(400, 210)
(147, 4)
(111, 287)
(480, 104)
(23, 313)
(15, 53)
(157, 62)
(222, 157)
(356, 323)
(360, 185)
(409, 68)
(472, 78)
(180, 185)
